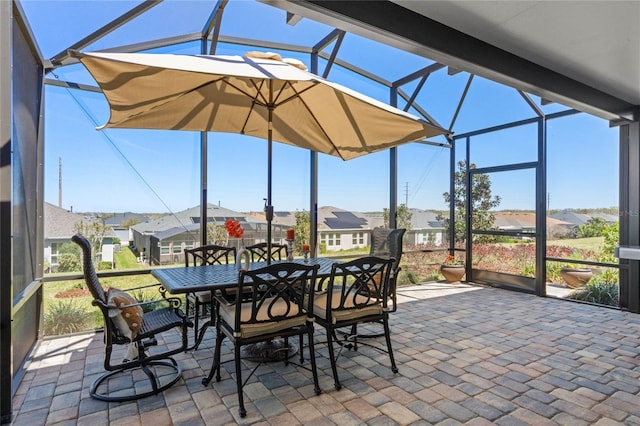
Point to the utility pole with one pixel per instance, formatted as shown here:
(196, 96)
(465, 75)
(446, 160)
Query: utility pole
(548, 201)
(60, 182)
(406, 194)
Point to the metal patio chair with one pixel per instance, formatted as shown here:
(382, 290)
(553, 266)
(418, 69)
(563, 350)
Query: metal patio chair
(357, 292)
(259, 252)
(211, 254)
(279, 306)
(387, 243)
(118, 308)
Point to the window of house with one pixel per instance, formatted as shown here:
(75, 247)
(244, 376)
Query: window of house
(54, 253)
(165, 249)
(357, 238)
(333, 240)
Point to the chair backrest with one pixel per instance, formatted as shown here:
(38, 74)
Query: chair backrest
(358, 284)
(211, 254)
(259, 252)
(387, 243)
(278, 292)
(90, 276)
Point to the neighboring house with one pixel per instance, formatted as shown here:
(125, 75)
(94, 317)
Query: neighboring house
(163, 241)
(425, 229)
(59, 227)
(526, 222)
(574, 220)
(344, 230)
(338, 229)
(121, 222)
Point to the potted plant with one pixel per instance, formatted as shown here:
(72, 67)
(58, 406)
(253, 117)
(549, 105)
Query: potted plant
(452, 270)
(575, 277)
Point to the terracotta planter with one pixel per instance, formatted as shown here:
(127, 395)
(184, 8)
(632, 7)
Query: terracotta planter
(452, 273)
(576, 277)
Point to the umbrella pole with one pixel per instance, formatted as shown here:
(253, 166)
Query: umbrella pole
(269, 208)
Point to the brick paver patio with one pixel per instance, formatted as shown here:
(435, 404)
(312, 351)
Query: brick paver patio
(467, 355)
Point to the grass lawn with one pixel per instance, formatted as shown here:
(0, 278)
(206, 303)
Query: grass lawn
(66, 300)
(125, 259)
(591, 243)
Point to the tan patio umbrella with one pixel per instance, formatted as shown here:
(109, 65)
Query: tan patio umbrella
(259, 94)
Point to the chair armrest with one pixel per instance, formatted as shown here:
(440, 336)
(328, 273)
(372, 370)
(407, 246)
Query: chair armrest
(143, 286)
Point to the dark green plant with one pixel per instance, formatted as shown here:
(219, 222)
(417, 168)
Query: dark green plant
(65, 317)
(482, 202)
(142, 296)
(600, 292)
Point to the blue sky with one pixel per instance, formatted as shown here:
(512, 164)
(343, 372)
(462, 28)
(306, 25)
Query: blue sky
(159, 171)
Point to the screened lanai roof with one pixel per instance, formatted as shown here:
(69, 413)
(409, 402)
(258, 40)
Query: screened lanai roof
(585, 54)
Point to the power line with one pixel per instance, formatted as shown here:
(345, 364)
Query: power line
(113, 144)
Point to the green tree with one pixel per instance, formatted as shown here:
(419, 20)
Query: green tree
(594, 227)
(403, 217)
(303, 230)
(94, 231)
(217, 234)
(482, 201)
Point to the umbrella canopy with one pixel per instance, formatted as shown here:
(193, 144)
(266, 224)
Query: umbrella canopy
(259, 94)
(235, 94)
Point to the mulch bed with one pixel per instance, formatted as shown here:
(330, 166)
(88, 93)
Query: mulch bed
(72, 292)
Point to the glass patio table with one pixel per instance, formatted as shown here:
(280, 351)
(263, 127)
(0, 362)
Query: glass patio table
(182, 280)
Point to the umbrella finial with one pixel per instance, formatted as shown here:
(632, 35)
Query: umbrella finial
(276, 57)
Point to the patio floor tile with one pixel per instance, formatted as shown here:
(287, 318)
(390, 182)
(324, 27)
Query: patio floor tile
(467, 354)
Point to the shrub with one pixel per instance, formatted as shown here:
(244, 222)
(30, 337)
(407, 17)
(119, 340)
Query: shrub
(529, 269)
(407, 277)
(68, 263)
(553, 272)
(600, 292)
(65, 317)
(143, 296)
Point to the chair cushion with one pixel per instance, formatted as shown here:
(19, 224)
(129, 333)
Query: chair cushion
(203, 296)
(228, 314)
(128, 319)
(320, 307)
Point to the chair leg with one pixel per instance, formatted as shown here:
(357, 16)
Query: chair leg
(243, 411)
(312, 357)
(215, 366)
(196, 322)
(198, 332)
(332, 358)
(175, 374)
(187, 307)
(301, 348)
(387, 335)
